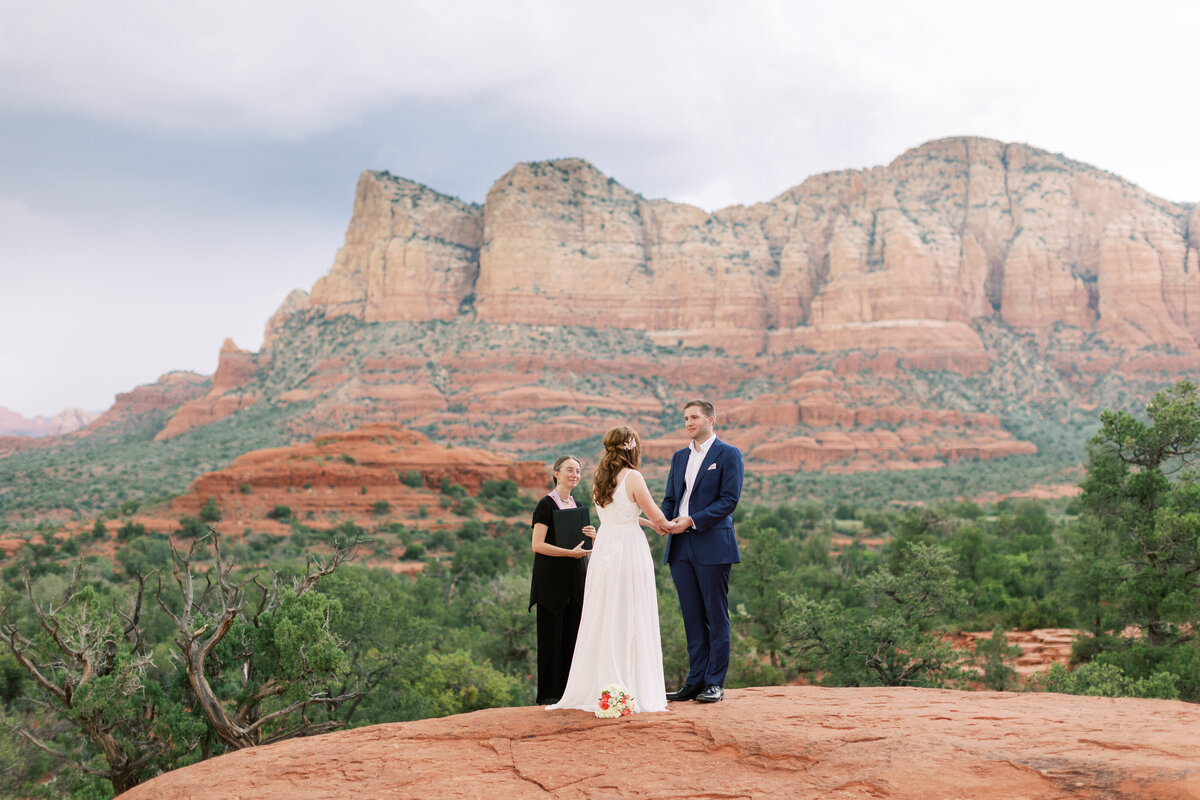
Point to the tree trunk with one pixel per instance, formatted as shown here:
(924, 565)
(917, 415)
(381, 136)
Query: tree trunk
(221, 724)
(122, 774)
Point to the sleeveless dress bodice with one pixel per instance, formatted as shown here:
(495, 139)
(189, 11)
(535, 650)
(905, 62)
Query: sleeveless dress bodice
(622, 510)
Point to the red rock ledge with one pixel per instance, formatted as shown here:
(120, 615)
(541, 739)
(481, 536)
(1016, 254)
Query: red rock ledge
(771, 742)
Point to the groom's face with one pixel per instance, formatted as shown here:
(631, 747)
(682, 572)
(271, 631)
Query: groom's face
(698, 426)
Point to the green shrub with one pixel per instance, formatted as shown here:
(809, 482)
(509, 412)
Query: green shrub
(130, 530)
(210, 512)
(191, 528)
(382, 507)
(439, 540)
(993, 657)
(412, 479)
(1098, 679)
(280, 513)
(471, 530)
(498, 489)
(144, 555)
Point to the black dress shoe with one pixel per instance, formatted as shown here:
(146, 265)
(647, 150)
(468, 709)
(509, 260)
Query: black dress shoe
(711, 694)
(686, 693)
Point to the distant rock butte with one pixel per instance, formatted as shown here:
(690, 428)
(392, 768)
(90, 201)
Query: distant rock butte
(330, 473)
(781, 742)
(65, 421)
(168, 392)
(567, 303)
(900, 257)
(235, 369)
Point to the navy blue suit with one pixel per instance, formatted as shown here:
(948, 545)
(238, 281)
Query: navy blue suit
(700, 558)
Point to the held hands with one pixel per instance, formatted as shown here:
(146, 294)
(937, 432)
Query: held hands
(577, 551)
(677, 525)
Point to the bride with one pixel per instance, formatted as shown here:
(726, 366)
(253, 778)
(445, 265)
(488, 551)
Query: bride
(618, 639)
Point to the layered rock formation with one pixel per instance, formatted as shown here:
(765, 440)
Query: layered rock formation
(346, 474)
(168, 393)
(950, 232)
(227, 394)
(780, 742)
(65, 421)
(956, 304)
(411, 254)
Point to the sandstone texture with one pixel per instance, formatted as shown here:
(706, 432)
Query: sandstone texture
(343, 476)
(911, 253)
(1040, 648)
(236, 369)
(780, 742)
(969, 301)
(411, 254)
(168, 393)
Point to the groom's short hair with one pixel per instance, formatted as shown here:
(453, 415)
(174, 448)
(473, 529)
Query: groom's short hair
(706, 408)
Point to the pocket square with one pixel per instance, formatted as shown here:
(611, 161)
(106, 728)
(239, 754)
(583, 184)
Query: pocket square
(712, 466)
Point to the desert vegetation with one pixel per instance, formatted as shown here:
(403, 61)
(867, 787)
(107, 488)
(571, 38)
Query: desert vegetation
(130, 651)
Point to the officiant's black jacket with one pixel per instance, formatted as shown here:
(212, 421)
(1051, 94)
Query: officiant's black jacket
(556, 580)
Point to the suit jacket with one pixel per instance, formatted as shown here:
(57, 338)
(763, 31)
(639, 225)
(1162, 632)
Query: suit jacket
(714, 497)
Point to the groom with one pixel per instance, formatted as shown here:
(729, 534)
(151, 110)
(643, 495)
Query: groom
(703, 488)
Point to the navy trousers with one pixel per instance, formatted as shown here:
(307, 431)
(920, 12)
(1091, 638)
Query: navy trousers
(703, 591)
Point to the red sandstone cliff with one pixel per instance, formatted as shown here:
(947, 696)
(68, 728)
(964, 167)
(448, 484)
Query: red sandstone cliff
(950, 232)
(887, 318)
(347, 474)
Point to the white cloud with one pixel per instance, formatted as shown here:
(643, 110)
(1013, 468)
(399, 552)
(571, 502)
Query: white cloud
(698, 101)
(846, 84)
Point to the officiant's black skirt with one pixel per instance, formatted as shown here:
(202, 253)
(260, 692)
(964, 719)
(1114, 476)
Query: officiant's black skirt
(556, 633)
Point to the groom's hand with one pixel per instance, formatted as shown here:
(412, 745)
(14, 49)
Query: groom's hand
(679, 524)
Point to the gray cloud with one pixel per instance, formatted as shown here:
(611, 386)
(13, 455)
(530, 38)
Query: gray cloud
(198, 159)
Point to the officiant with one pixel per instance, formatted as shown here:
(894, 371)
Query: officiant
(558, 575)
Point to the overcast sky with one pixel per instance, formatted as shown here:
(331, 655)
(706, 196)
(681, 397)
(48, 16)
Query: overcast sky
(170, 171)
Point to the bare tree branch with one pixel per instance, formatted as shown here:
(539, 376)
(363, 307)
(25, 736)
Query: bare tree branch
(38, 743)
(302, 704)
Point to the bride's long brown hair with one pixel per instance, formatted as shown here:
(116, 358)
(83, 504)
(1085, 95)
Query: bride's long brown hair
(622, 450)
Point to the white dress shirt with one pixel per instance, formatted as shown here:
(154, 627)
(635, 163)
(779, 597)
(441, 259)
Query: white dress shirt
(693, 471)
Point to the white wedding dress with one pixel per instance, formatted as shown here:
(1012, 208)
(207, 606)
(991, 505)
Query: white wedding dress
(618, 639)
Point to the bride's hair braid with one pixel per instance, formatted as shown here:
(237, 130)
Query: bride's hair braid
(622, 449)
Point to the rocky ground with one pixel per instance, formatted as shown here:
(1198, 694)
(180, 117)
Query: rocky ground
(780, 742)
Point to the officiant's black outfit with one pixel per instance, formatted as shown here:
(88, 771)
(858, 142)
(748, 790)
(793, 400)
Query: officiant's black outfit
(557, 591)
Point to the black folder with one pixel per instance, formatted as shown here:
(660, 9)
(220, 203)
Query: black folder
(568, 527)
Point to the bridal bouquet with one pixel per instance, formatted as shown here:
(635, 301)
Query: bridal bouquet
(615, 702)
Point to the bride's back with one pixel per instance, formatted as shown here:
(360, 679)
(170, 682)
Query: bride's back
(621, 510)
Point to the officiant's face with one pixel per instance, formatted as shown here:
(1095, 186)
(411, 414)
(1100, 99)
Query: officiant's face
(698, 426)
(569, 473)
